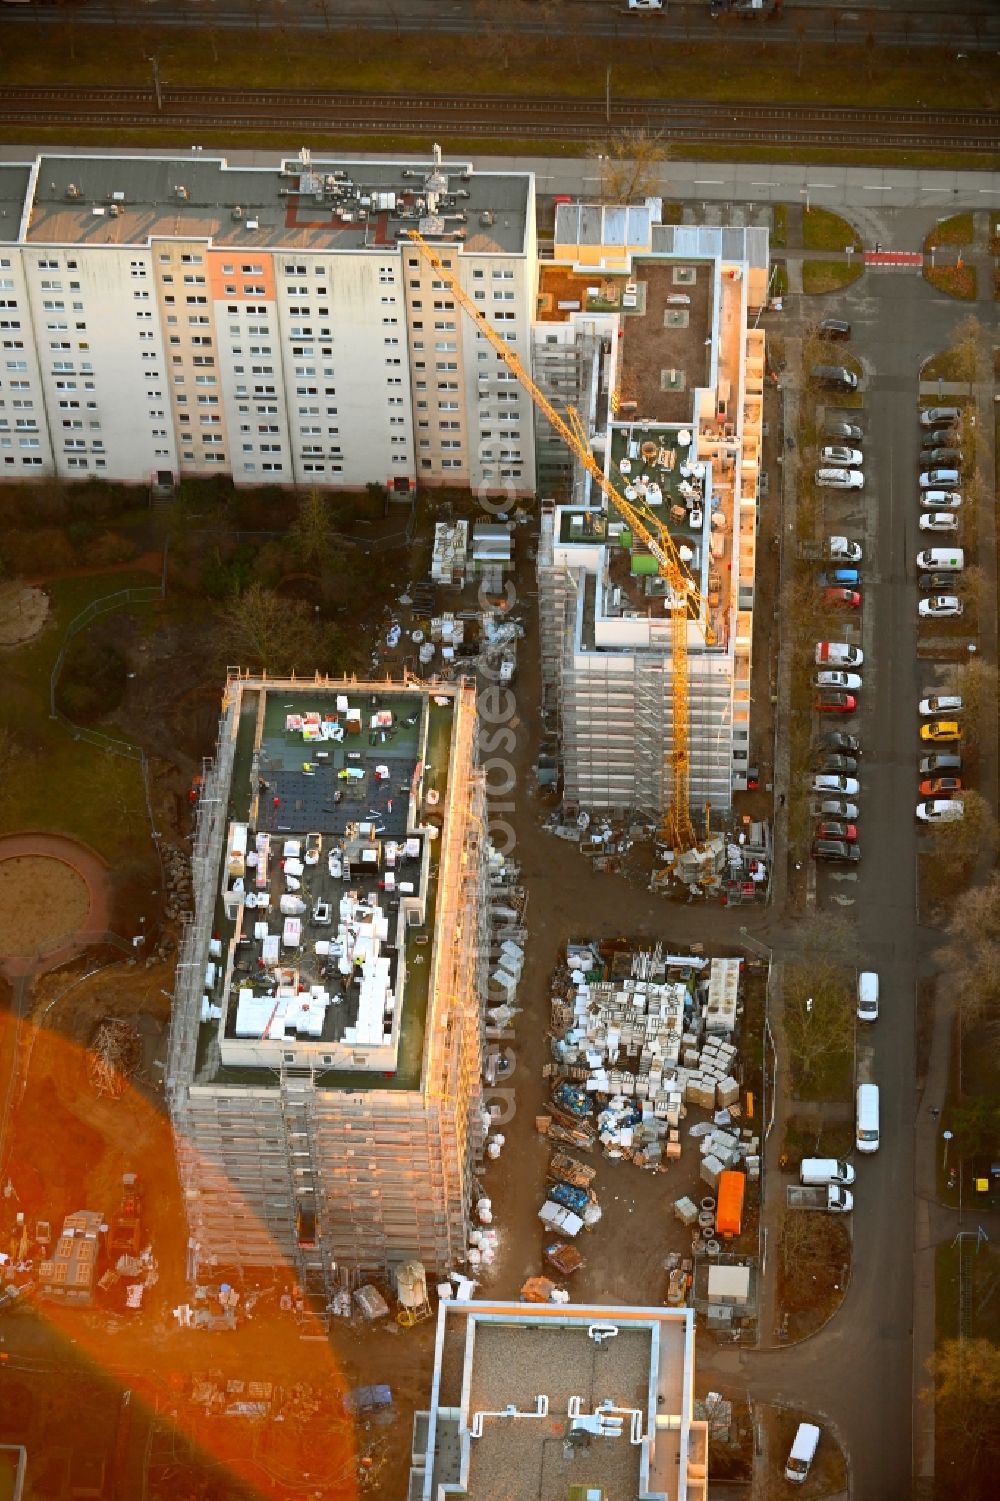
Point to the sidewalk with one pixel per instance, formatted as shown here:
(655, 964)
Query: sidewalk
(936, 1224)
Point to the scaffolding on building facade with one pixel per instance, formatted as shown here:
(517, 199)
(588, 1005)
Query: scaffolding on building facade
(281, 1168)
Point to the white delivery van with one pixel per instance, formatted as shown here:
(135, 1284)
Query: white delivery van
(952, 558)
(866, 1135)
(817, 1171)
(868, 996)
(802, 1453)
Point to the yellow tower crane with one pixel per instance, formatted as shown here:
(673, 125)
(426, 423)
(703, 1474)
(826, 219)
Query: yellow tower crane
(685, 602)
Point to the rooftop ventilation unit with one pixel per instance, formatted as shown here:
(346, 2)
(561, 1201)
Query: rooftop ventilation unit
(72, 191)
(181, 192)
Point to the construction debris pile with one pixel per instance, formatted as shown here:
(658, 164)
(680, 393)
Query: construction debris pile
(643, 1045)
(114, 1055)
(605, 842)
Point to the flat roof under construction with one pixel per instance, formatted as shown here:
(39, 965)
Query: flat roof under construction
(323, 938)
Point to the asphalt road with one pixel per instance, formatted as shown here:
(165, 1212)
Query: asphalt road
(858, 1372)
(893, 22)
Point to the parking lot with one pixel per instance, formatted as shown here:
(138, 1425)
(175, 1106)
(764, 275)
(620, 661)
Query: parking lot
(895, 327)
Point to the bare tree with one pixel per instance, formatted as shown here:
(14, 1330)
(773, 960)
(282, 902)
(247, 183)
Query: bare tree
(973, 590)
(311, 534)
(975, 1121)
(955, 846)
(818, 1014)
(965, 1391)
(630, 163)
(972, 952)
(264, 629)
(976, 682)
(970, 350)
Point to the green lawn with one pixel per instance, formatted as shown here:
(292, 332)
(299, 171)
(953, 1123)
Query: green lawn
(827, 1139)
(959, 282)
(647, 65)
(59, 783)
(821, 277)
(958, 230)
(832, 1080)
(823, 230)
(779, 226)
(949, 365)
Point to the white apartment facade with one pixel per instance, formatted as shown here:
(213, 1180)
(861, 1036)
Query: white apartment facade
(167, 317)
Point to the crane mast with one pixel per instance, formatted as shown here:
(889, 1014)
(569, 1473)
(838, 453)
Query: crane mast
(685, 601)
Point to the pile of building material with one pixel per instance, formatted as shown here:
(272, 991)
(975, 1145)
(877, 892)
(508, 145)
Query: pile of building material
(448, 631)
(726, 1147)
(177, 898)
(451, 548)
(508, 933)
(644, 1046)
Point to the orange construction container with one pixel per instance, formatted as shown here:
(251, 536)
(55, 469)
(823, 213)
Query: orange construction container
(729, 1204)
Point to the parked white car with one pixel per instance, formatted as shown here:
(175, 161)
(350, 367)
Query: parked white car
(939, 606)
(841, 786)
(839, 479)
(939, 521)
(945, 479)
(850, 458)
(868, 996)
(940, 416)
(941, 500)
(941, 810)
(849, 680)
(941, 705)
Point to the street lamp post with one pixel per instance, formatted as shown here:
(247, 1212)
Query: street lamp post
(948, 1137)
(607, 93)
(156, 81)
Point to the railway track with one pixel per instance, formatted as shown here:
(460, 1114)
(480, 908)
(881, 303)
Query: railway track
(501, 115)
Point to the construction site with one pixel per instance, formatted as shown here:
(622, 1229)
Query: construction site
(646, 589)
(325, 1057)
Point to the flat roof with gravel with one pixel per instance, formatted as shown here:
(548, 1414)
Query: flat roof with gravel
(552, 1398)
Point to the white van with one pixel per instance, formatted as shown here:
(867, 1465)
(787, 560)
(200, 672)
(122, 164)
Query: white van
(941, 557)
(802, 1453)
(866, 1135)
(868, 996)
(817, 1172)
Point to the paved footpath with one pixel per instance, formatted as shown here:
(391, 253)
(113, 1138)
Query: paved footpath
(866, 189)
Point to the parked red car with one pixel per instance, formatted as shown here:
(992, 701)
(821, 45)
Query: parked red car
(834, 701)
(834, 829)
(940, 786)
(842, 599)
